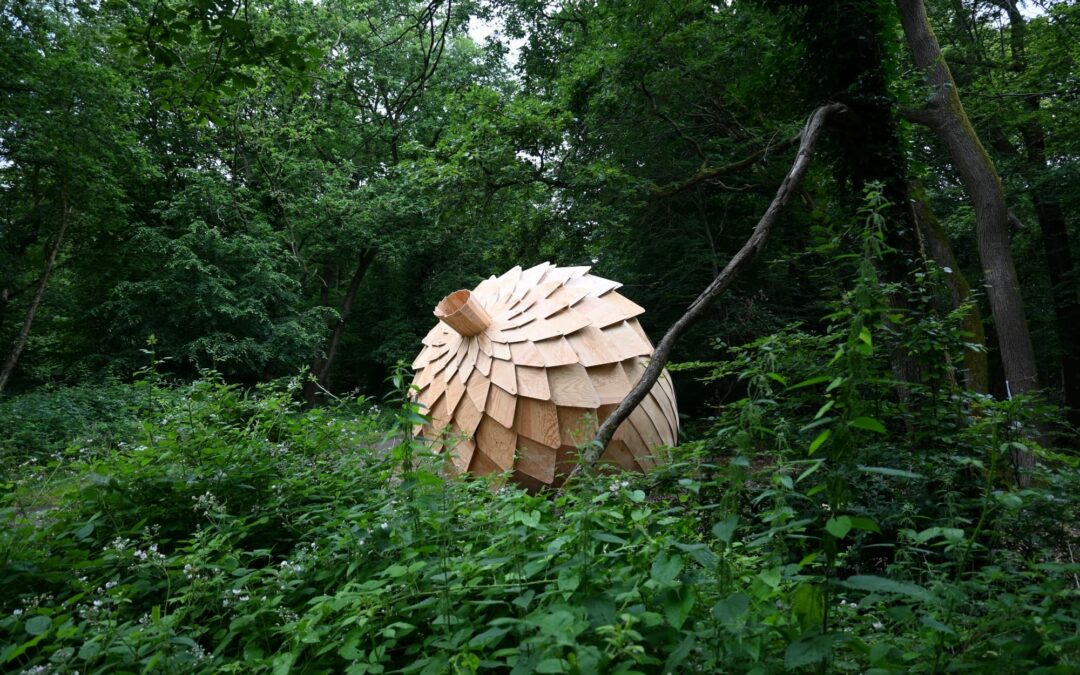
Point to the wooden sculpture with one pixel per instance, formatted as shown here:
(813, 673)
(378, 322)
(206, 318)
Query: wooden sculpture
(519, 371)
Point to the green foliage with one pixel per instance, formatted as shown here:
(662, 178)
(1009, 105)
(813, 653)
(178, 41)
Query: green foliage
(236, 532)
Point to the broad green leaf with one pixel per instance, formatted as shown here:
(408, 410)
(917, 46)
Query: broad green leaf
(887, 471)
(876, 584)
(838, 527)
(867, 423)
(38, 624)
(725, 529)
(821, 438)
(731, 609)
(806, 651)
(666, 568)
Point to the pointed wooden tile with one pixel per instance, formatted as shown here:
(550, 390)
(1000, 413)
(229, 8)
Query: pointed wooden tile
(618, 454)
(477, 390)
(440, 416)
(576, 425)
(591, 347)
(658, 418)
(610, 382)
(629, 342)
(526, 354)
(556, 352)
(571, 386)
(454, 391)
(596, 285)
(482, 465)
(497, 442)
(483, 364)
(533, 382)
(536, 460)
(500, 351)
(467, 416)
(502, 374)
(529, 279)
(461, 455)
(500, 406)
(538, 420)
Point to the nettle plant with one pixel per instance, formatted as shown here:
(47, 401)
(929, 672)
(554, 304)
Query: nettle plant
(892, 506)
(237, 532)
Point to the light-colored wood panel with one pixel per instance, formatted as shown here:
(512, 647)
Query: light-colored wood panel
(658, 417)
(471, 353)
(487, 292)
(454, 391)
(477, 390)
(592, 347)
(636, 444)
(461, 455)
(639, 420)
(538, 420)
(667, 400)
(440, 416)
(618, 454)
(502, 374)
(507, 283)
(467, 416)
(571, 386)
(533, 383)
(455, 362)
(566, 322)
(483, 364)
(497, 442)
(556, 352)
(500, 406)
(500, 351)
(642, 335)
(626, 306)
(596, 285)
(559, 275)
(576, 425)
(425, 376)
(482, 465)
(529, 279)
(484, 343)
(536, 460)
(526, 354)
(610, 382)
(628, 340)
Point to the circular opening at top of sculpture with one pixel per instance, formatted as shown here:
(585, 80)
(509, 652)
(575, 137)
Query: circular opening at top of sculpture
(463, 312)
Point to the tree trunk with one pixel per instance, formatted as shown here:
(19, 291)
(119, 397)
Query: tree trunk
(320, 370)
(1059, 263)
(809, 138)
(35, 303)
(945, 116)
(976, 367)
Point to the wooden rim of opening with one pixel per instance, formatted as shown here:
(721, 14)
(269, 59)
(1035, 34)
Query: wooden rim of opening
(463, 312)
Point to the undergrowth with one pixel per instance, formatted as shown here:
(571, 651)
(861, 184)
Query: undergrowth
(830, 520)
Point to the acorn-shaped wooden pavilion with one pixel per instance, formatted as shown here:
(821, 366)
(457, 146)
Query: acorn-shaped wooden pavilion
(519, 371)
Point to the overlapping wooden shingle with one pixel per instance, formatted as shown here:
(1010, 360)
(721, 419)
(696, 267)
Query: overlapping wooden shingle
(520, 371)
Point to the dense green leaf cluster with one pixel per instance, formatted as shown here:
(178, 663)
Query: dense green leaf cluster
(236, 532)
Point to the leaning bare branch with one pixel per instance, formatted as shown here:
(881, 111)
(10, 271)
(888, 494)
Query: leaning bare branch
(809, 138)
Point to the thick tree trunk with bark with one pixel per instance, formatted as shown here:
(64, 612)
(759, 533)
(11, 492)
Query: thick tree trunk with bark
(809, 138)
(1059, 263)
(19, 345)
(944, 114)
(976, 367)
(320, 370)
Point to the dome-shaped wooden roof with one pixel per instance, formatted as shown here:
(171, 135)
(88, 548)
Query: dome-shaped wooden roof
(519, 371)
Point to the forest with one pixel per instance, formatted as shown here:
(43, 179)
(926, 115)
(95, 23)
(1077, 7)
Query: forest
(853, 225)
